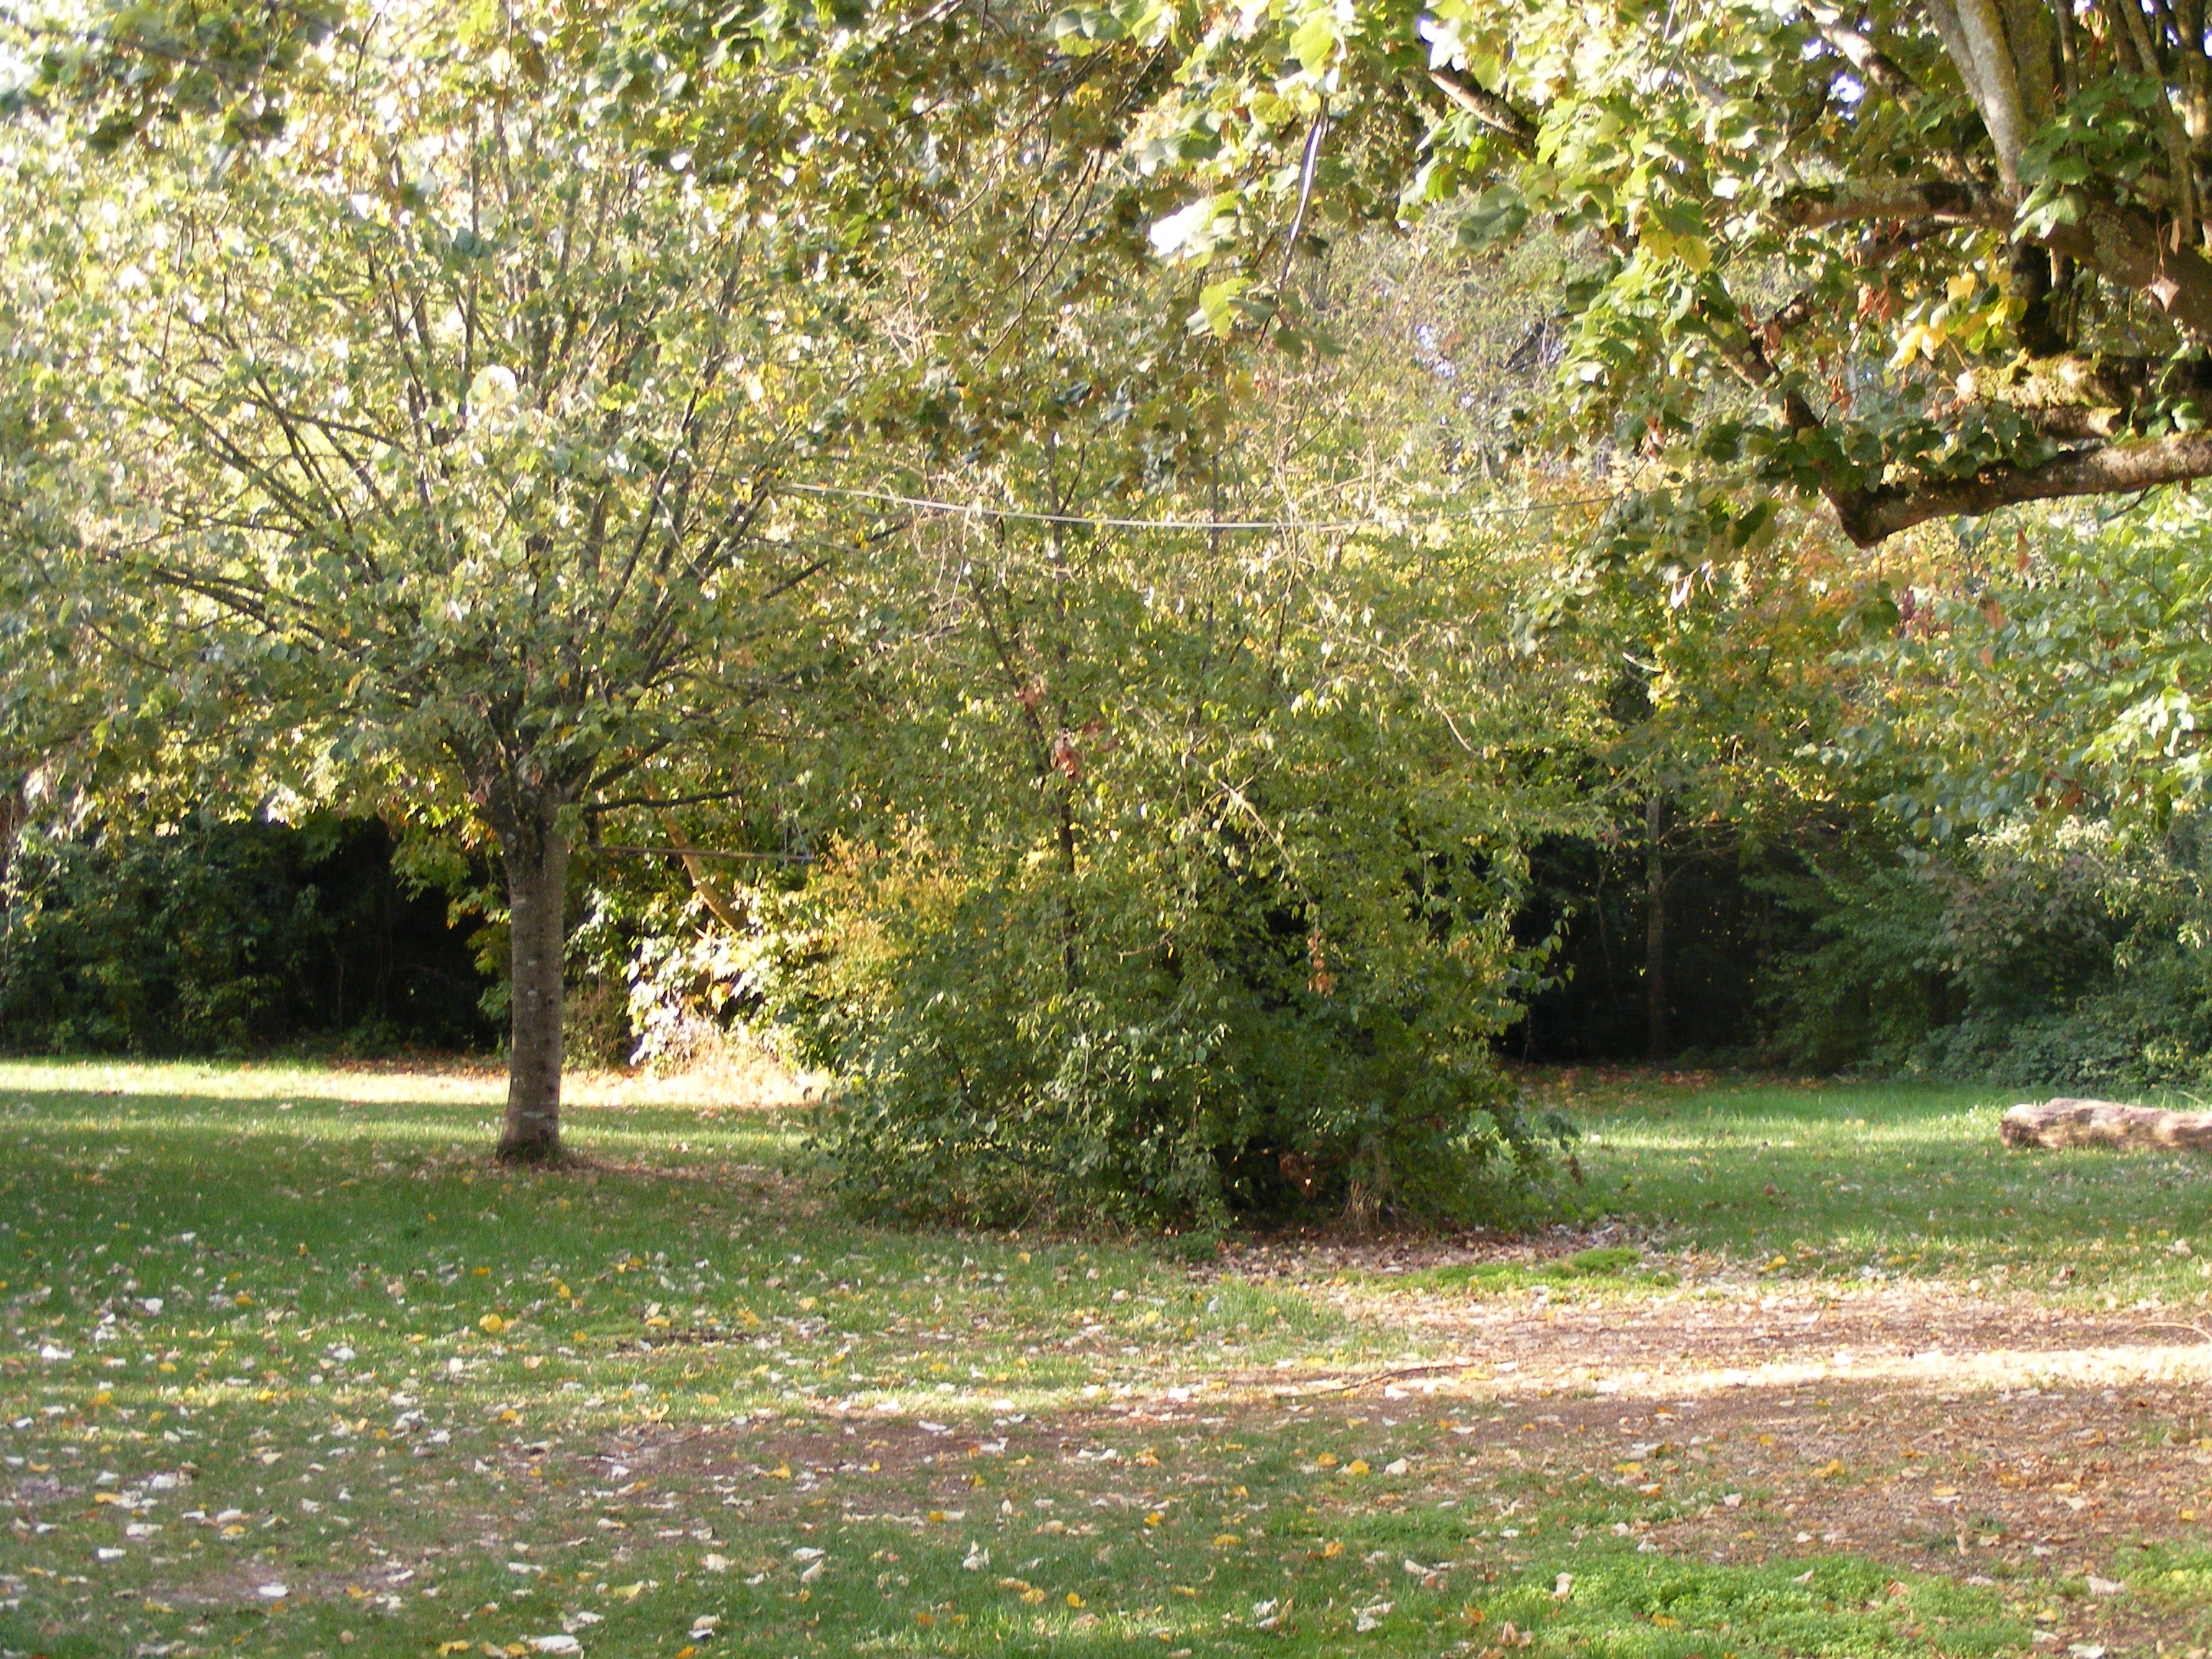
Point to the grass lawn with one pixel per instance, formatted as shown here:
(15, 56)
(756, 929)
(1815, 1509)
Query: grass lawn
(288, 1367)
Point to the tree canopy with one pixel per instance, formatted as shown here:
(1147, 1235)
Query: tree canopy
(1925, 259)
(433, 453)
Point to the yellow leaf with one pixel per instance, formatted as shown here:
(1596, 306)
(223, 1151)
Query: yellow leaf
(1332, 1549)
(1326, 1459)
(491, 1324)
(1829, 1470)
(1073, 1600)
(1665, 1623)
(782, 1472)
(1032, 1596)
(925, 1620)
(444, 1648)
(1225, 1539)
(1357, 1466)
(1154, 1519)
(1149, 1459)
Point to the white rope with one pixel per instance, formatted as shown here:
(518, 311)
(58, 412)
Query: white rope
(1202, 526)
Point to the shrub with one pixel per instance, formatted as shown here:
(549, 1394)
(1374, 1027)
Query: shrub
(226, 938)
(2066, 956)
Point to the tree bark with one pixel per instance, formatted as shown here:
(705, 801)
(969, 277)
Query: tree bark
(1654, 927)
(2066, 1123)
(536, 855)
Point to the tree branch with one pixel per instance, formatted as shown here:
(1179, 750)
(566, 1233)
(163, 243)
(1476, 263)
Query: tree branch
(1940, 199)
(1517, 129)
(1869, 516)
(1874, 66)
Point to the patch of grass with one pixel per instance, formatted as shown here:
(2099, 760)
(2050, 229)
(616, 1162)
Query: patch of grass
(1609, 1267)
(287, 1368)
(1863, 1181)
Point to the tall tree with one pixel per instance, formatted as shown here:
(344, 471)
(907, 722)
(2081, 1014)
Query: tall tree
(433, 453)
(1922, 259)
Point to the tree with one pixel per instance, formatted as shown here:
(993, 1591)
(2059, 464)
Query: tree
(431, 455)
(138, 70)
(1924, 258)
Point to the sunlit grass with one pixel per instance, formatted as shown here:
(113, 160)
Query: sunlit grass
(1869, 1184)
(441, 1402)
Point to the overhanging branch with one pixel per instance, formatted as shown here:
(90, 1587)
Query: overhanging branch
(1869, 516)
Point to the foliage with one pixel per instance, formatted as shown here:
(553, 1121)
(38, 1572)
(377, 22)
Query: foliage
(2068, 955)
(226, 937)
(1921, 260)
(1198, 916)
(135, 70)
(434, 468)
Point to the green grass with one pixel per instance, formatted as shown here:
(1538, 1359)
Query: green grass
(1852, 1182)
(262, 1327)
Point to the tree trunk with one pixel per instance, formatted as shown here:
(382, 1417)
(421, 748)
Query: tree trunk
(2065, 1122)
(536, 856)
(1655, 928)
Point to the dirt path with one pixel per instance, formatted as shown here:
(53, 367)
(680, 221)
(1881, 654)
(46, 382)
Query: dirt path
(1958, 1432)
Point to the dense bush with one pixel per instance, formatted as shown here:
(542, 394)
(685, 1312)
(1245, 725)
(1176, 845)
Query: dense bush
(1182, 910)
(228, 938)
(2066, 956)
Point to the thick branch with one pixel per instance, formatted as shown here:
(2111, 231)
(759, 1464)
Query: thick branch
(1869, 516)
(2123, 246)
(2069, 395)
(1938, 199)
